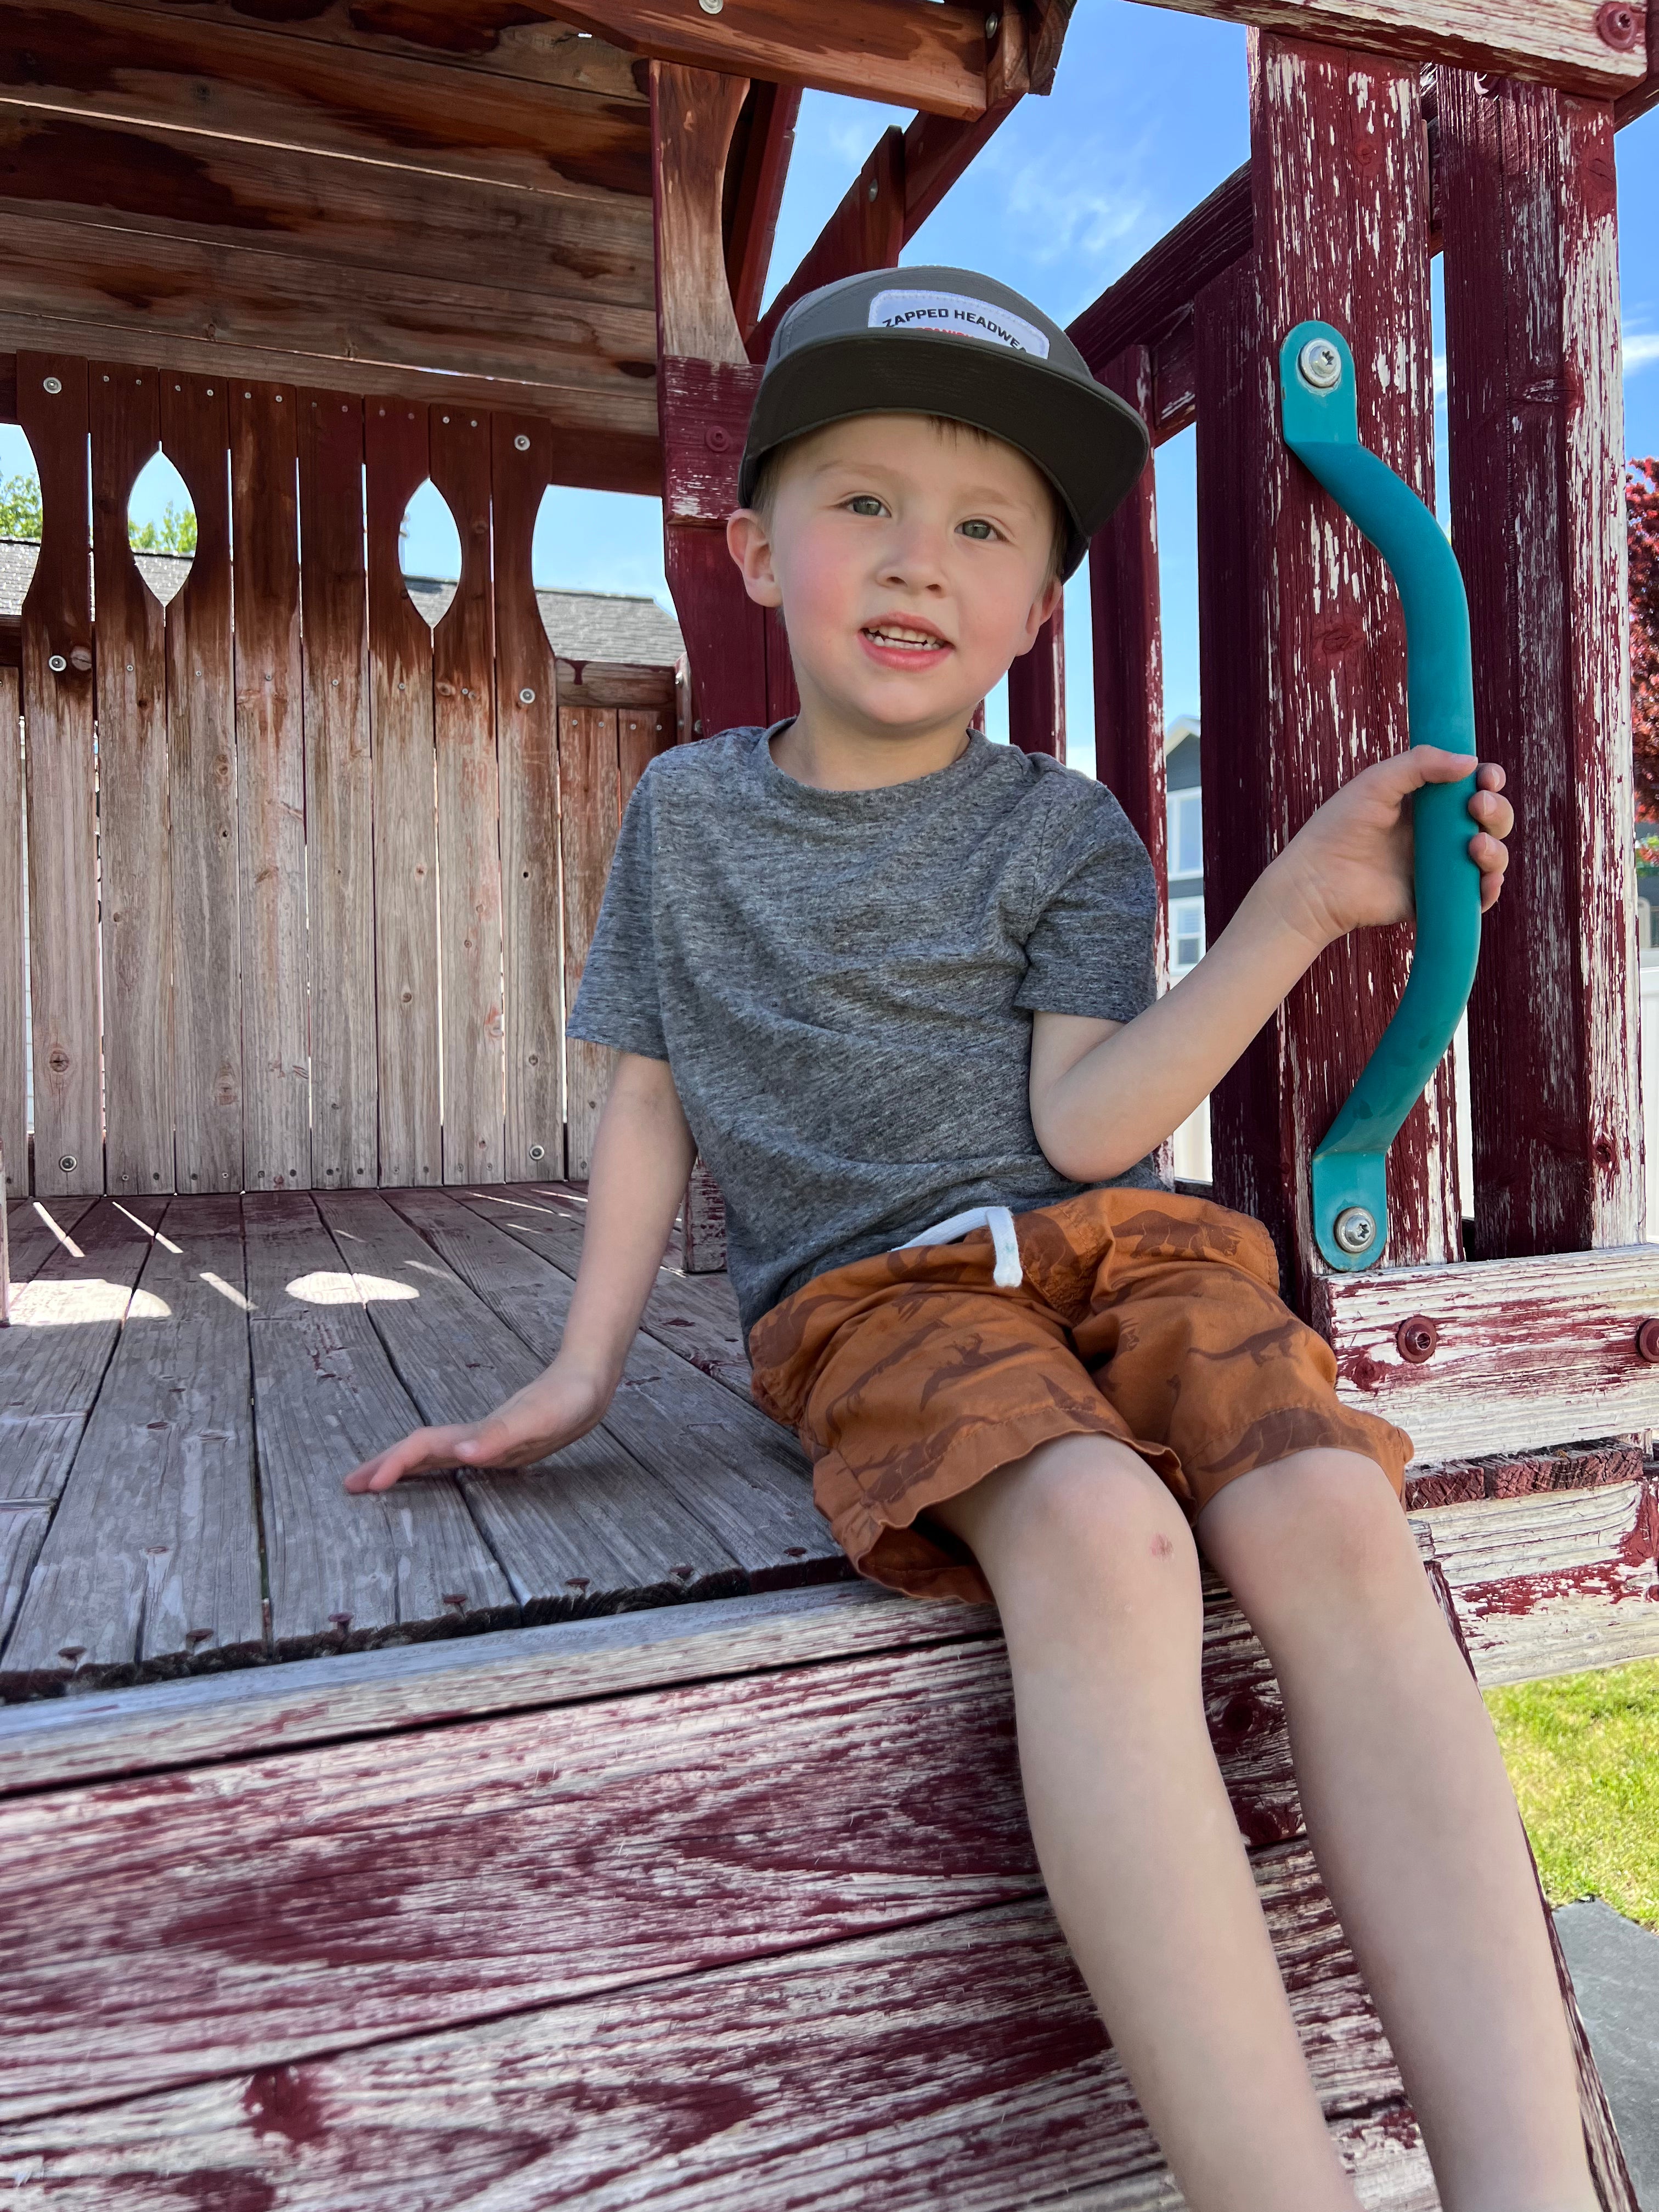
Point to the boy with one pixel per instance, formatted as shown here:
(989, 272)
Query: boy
(895, 984)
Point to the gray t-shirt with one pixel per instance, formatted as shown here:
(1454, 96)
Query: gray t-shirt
(842, 984)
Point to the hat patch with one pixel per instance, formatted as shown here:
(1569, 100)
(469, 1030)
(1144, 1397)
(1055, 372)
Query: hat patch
(956, 315)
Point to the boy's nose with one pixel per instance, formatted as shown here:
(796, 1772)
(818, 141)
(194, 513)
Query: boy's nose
(915, 558)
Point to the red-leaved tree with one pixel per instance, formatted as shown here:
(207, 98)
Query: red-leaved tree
(1642, 503)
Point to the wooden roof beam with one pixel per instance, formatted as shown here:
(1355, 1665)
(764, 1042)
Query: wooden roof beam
(910, 172)
(1582, 46)
(756, 169)
(927, 54)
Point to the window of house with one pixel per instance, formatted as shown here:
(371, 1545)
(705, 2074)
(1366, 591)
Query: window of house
(1186, 834)
(1186, 935)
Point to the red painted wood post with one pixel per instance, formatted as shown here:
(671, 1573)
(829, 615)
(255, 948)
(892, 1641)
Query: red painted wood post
(1128, 650)
(705, 390)
(1037, 692)
(1536, 428)
(1303, 648)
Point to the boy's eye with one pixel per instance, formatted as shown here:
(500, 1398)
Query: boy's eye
(865, 502)
(980, 529)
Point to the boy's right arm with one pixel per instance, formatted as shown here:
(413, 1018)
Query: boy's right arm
(642, 1154)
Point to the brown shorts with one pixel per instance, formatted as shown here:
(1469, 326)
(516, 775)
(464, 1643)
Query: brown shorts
(1143, 1315)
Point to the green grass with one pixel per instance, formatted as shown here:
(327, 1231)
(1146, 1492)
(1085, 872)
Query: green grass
(1582, 1751)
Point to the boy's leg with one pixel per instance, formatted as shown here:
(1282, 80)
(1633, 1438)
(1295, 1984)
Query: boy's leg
(1413, 1822)
(1096, 1574)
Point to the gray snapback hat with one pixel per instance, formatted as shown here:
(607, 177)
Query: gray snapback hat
(947, 342)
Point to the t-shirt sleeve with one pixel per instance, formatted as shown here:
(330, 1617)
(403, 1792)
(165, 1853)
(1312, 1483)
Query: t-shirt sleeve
(616, 1001)
(1090, 949)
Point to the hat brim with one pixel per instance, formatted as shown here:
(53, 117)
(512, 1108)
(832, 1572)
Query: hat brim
(1089, 443)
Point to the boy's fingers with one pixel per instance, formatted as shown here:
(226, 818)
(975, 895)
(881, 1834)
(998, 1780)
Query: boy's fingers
(1490, 776)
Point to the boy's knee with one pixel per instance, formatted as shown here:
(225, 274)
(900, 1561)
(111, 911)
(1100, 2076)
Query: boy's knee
(1320, 1528)
(1084, 1523)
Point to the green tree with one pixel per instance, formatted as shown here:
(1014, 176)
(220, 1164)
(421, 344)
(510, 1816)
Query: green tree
(173, 533)
(20, 508)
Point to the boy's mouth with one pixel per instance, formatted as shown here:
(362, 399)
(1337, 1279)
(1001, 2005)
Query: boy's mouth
(904, 641)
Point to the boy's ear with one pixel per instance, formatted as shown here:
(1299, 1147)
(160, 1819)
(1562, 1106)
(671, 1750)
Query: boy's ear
(1042, 607)
(749, 543)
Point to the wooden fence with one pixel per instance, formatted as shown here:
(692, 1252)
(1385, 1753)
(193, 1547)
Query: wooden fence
(304, 906)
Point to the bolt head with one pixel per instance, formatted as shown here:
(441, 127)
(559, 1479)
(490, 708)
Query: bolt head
(711, 7)
(1320, 365)
(992, 24)
(68, 1163)
(521, 443)
(1647, 1342)
(1417, 1339)
(55, 662)
(53, 383)
(1618, 25)
(526, 697)
(538, 1152)
(1354, 1229)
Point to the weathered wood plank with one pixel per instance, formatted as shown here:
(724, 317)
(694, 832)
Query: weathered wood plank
(528, 688)
(1037, 692)
(134, 837)
(64, 1325)
(1550, 41)
(270, 784)
(1526, 199)
(499, 42)
(339, 791)
(36, 1230)
(728, 1464)
(346, 1572)
(1322, 688)
(641, 736)
(57, 712)
(929, 54)
(145, 63)
(610, 435)
(611, 684)
(693, 113)
(591, 1531)
(396, 455)
(468, 815)
(152, 1561)
(589, 817)
(866, 2072)
(14, 977)
(146, 179)
(207, 928)
(193, 1722)
(1529, 1351)
(1546, 1585)
(1523, 1474)
(23, 1526)
(695, 1315)
(761, 147)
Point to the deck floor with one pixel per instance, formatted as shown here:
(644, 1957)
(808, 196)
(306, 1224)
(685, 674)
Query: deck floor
(188, 1380)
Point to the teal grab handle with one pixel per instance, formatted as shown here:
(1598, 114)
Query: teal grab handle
(1322, 429)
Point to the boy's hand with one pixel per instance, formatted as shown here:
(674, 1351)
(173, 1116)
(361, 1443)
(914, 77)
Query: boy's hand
(552, 1411)
(1350, 866)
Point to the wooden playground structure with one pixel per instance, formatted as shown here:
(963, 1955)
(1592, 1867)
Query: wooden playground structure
(585, 1837)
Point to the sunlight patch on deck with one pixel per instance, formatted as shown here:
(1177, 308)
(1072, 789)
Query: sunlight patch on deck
(61, 1306)
(331, 1287)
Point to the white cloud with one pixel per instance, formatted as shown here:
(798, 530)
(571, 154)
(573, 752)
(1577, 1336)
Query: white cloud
(1092, 205)
(1641, 350)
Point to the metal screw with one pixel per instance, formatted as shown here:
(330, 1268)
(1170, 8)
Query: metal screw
(1354, 1229)
(526, 697)
(1616, 26)
(57, 663)
(1320, 364)
(521, 444)
(711, 7)
(1417, 1339)
(872, 188)
(992, 24)
(1647, 1342)
(538, 1152)
(68, 1163)
(53, 383)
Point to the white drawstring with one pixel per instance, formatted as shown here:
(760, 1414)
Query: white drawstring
(1009, 1273)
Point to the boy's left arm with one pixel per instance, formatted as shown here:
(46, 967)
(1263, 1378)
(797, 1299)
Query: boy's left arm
(1105, 1094)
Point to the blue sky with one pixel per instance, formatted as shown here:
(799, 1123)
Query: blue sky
(1148, 115)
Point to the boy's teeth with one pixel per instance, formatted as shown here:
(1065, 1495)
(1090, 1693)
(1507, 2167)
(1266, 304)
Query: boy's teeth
(903, 636)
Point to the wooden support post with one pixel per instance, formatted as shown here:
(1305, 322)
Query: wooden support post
(1037, 692)
(1128, 649)
(14, 986)
(1303, 646)
(58, 713)
(1536, 427)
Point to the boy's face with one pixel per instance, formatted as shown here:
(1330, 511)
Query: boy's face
(911, 562)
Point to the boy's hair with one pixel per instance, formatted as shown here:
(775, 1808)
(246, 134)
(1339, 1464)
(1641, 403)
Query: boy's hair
(766, 483)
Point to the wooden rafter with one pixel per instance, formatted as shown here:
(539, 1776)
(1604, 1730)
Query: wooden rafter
(755, 170)
(930, 54)
(1576, 44)
(908, 173)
